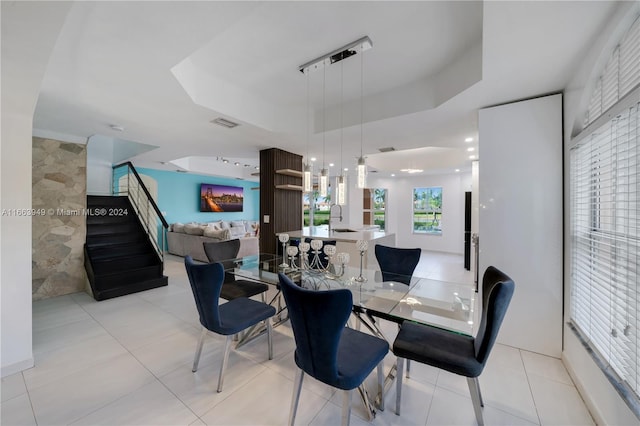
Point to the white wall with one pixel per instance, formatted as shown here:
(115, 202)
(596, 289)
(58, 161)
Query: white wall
(605, 404)
(521, 216)
(398, 215)
(28, 37)
(99, 165)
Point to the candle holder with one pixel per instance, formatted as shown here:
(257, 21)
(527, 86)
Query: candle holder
(316, 247)
(341, 260)
(304, 255)
(292, 251)
(329, 251)
(284, 238)
(362, 246)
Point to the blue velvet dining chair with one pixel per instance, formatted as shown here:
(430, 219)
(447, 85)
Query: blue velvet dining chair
(227, 319)
(325, 348)
(457, 353)
(397, 264)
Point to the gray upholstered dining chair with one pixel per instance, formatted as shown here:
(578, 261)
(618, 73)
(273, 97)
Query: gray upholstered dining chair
(397, 264)
(232, 288)
(457, 353)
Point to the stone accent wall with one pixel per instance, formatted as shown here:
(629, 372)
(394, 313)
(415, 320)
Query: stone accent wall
(59, 187)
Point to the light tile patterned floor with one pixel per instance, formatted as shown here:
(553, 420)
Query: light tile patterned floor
(127, 361)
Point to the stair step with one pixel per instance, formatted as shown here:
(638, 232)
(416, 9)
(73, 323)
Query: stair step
(108, 293)
(106, 201)
(109, 239)
(119, 250)
(112, 228)
(112, 265)
(133, 274)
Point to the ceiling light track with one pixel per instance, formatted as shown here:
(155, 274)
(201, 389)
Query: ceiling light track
(351, 49)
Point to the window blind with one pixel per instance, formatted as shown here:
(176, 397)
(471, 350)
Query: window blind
(620, 76)
(605, 251)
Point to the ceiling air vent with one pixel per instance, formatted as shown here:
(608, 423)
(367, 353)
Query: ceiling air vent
(387, 149)
(224, 123)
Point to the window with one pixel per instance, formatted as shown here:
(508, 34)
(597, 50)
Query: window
(427, 210)
(605, 252)
(620, 76)
(605, 230)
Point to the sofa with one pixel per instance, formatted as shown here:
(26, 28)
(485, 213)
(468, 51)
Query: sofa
(188, 239)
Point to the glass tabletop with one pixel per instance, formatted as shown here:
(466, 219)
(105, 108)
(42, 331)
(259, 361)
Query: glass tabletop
(443, 304)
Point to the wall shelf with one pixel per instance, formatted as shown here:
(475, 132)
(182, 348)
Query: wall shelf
(289, 172)
(290, 187)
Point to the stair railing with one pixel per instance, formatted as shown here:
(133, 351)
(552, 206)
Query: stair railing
(146, 208)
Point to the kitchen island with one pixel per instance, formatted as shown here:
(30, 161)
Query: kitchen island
(346, 238)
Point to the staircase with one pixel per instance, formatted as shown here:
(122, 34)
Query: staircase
(118, 255)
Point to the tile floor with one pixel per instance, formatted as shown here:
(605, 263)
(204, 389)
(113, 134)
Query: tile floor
(127, 361)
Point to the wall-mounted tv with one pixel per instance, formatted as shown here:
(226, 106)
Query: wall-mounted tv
(220, 198)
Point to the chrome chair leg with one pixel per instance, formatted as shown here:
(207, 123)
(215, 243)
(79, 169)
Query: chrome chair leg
(270, 337)
(295, 397)
(225, 358)
(196, 359)
(479, 392)
(381, 385)
(474, 389)
(408, 368)
(346, 407)
(400, 367)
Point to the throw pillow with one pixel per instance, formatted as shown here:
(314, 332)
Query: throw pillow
(237, 224)
(178, 227)
(193, 229)
(224, 225)
(220, 234)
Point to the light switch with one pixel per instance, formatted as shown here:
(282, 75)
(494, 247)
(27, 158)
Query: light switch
(265, 219)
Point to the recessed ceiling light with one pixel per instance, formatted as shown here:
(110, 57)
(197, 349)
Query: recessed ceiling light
(346, 169)
(257, 167)
(236, 163)
(330, 164)
(313, 158)
(393, 174)
(457, 170)
(468, 140)
(411, 171)
(116, 127)
(224, 160)
(472, 157)
(247, 165)
(471, 149)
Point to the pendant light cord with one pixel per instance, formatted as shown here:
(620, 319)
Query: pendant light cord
(324, 113)
(341, 115)
(361, 98)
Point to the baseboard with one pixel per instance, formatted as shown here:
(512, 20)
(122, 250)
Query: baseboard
(8, 370)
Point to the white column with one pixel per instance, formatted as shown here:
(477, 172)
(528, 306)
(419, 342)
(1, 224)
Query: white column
(521, 216)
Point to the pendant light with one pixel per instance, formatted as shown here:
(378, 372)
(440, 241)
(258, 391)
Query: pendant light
(361, 169)
(341, 181)
(324, 178)
(306, 173)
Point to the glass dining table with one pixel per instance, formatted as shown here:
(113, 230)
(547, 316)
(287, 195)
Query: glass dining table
(442, 304)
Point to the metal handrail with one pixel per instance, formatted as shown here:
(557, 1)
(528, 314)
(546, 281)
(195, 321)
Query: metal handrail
(143, 214)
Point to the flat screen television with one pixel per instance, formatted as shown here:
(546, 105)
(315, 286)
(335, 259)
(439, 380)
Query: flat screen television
(220, 198)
